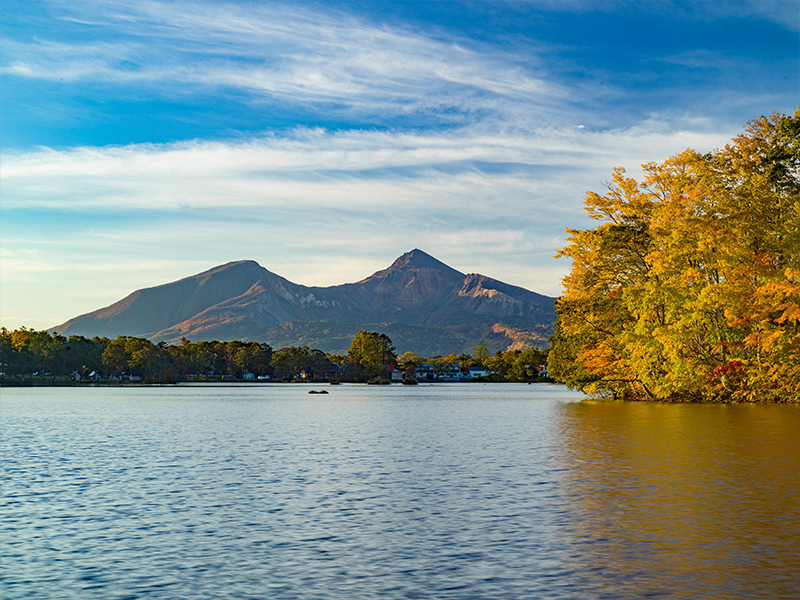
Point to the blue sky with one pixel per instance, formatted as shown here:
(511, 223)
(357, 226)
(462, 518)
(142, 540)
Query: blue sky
(145, 141)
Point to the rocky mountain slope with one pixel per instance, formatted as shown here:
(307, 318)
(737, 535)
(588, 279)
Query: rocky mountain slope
(421, 303)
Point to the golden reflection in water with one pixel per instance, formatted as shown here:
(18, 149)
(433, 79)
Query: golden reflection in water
(707, 497)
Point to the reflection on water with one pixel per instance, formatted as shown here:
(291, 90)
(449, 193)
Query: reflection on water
(441, 491)
(690, 500)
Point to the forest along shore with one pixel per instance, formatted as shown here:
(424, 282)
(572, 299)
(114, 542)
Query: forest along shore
(32, 357)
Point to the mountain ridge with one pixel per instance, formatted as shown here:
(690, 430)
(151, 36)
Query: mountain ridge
(243, 300)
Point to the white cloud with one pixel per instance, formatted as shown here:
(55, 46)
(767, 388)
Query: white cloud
(294, 55)
(350, 170)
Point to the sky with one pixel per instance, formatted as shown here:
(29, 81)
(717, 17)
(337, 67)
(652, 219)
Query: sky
(142, 141)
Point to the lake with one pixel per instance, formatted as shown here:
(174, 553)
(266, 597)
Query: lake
(432, 491)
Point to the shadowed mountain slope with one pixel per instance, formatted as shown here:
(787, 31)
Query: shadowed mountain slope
(418, 297)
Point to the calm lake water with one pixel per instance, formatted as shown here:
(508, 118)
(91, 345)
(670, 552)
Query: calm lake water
(440, 491)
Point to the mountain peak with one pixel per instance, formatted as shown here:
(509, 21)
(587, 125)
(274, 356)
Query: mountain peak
(418, 297)
(417, 259)
(237, 263)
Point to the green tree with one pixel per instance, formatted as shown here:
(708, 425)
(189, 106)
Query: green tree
(496, 365)
(83, 355)
(289, 361)
(116, 357)
(7, 352)
(261, 358)
(479, 355)
(522, 364)
(374, 353)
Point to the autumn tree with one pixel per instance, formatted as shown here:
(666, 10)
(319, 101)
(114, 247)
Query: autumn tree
(409, 361)
(689, 289)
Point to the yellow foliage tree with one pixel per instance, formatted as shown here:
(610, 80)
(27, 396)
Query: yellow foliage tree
(689, 289)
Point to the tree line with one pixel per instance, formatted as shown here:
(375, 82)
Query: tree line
(689, 288)
(27, 354)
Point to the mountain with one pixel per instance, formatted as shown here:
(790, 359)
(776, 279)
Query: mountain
(421, 303)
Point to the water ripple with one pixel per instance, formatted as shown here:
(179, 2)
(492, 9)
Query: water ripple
(452, 491)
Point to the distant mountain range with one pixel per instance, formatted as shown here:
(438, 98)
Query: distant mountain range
(419, 302)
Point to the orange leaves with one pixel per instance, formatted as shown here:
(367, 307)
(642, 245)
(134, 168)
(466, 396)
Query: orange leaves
(624, 203)
(782, 297)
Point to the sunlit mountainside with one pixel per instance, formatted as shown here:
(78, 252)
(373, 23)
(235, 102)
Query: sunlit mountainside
(421, 303)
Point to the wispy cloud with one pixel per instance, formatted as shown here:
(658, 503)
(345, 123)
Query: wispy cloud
(783, 12)
(354, 169)
(292, 55)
